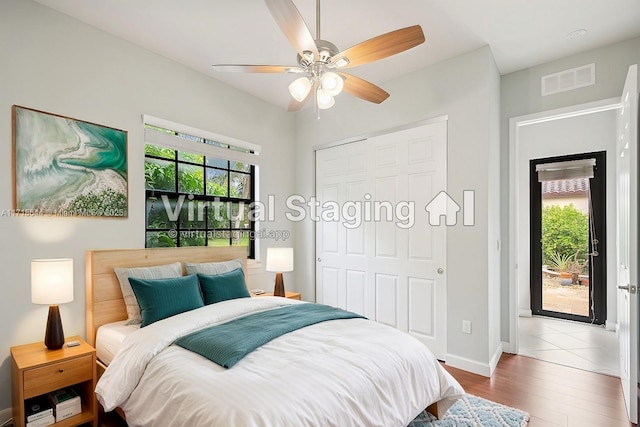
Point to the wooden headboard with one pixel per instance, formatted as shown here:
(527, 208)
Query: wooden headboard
(104, 301)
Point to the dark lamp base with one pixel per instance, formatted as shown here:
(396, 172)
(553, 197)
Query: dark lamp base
(54, 337)
(278, 290)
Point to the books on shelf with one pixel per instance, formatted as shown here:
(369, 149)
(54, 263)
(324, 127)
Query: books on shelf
(48, 409)
(39, 412)
(37, 407)
(47, 420)
(66, 403)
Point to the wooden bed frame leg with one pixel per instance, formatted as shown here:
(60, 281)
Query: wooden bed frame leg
(433, 409)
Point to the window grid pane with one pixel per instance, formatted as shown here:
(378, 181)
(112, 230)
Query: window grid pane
(205, 203)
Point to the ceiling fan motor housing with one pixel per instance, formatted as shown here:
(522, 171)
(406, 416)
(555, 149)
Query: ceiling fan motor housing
(326, 50)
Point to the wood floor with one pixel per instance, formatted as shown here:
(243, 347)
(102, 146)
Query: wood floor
(553, 395)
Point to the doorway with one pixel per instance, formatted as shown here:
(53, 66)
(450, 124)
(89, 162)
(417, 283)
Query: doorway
(568, 231)
(592, 127)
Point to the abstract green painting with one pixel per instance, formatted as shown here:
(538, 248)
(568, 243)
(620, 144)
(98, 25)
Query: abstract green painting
(68, 167)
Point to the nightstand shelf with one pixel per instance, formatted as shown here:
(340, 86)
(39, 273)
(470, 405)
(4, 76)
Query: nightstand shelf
(35, 371)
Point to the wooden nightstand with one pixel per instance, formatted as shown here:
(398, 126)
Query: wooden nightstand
(290, 295)
(36, 370)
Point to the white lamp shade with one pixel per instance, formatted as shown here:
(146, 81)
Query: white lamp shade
(279, 259)
(324, 99)
(51, 281)
(300, 88)
(332, 83)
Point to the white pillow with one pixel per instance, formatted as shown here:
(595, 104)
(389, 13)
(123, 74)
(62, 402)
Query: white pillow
(213, 268)
(155, 272)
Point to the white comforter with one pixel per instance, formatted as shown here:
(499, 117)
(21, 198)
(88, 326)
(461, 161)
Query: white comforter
(342, 373)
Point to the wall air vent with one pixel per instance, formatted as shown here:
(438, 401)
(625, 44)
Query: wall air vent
(569, 79)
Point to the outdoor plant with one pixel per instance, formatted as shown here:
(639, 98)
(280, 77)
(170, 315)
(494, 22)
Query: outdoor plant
(573, 264)
(559, 262)
(565, 234)
(577, 266)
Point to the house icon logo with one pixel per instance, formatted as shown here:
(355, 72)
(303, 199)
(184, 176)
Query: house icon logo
(443, 205)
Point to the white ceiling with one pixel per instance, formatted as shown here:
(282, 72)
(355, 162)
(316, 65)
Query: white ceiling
(199, 33)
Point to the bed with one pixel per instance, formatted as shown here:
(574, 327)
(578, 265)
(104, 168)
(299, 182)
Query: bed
(340, 372)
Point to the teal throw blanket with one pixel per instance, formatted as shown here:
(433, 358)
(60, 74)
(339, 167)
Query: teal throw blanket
(229, 342)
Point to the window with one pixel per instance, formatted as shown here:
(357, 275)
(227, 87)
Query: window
(198, 191)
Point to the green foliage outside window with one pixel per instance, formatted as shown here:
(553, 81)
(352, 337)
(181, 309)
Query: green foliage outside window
(224, 182)
(565, 232)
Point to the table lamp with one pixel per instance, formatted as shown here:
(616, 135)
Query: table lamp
(279, 260)
(52, 284)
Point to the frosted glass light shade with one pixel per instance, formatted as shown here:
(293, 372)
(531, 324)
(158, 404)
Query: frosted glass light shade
(324, 99)
(300, 88)
(280, 259)
(332, 83)
(51, 281)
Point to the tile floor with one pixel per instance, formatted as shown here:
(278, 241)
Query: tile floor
(575, 344)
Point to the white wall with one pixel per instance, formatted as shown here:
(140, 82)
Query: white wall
(520, 96)
(581, 134)
(54, 63)
(494, 243)
(466, 89)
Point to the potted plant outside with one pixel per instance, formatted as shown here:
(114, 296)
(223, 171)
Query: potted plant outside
(560, 263)
(576, 267)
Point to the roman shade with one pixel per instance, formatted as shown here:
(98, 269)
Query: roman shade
(238, 151)
(573, 169)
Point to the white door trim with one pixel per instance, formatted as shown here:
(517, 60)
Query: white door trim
(515, 123)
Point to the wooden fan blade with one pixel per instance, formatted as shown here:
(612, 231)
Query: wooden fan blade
(382, 46)
(363, 89)
(290, 21)
(239, 68)
(297, 106)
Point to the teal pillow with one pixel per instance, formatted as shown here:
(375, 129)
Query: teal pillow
(223, 286)
(162, 298)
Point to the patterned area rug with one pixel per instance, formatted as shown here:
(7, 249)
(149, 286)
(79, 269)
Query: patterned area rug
(473, 411)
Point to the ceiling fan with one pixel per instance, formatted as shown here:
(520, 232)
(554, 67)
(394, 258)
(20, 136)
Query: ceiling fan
(320, 62)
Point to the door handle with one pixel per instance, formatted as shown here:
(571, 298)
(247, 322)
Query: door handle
(631, 288)
(440, 271)
(319, 259)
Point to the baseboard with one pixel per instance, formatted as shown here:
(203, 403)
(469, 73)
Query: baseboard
(507, 348)
(525, 312)
(469, 365)
(493, 363)
(610, 325)
(5, 415)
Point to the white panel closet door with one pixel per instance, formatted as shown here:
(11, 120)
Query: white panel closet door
(383, 269)
(408, 265)
(341, 263)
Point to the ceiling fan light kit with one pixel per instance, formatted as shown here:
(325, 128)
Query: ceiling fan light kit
(332, 83)
(300, 88)
(321, 62)
(324, 99)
